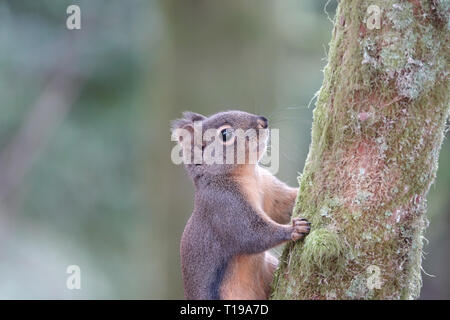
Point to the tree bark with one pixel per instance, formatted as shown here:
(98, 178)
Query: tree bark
(377, 131)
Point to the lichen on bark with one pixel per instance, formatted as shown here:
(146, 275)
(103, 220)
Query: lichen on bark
(377, 131)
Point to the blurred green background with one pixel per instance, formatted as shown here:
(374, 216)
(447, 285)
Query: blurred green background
(85, 170)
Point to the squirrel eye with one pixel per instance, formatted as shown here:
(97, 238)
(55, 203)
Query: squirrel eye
(226, 134)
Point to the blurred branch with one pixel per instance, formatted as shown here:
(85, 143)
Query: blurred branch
(47, 112)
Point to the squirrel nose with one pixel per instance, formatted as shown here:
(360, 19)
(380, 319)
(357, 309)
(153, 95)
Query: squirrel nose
(262, 122)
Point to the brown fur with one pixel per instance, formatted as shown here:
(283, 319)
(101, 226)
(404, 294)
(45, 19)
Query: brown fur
(249, 276)
(240, 212)
(268, 196)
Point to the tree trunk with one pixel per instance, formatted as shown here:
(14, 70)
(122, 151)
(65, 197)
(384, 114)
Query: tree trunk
(378, 127)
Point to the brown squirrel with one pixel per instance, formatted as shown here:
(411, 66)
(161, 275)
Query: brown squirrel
(240, 212)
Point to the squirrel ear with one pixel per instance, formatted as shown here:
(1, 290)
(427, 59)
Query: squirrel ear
(178, 124)
(192, 116)
(182, 131)
(188, 119)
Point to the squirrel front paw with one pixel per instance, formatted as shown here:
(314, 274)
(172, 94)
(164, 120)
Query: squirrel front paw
(301, 228)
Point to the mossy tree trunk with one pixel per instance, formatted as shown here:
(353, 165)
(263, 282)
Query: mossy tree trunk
(378, 127)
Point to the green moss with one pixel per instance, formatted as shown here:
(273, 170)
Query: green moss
(395, 49)
(400, 15)
(414, 284)
(323, 252)
(358, 288)
(365, 180)
(399, 52)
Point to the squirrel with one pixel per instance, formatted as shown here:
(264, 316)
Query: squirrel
(240, 212)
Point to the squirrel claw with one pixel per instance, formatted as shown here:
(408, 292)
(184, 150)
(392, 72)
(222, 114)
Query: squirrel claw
(301, 227)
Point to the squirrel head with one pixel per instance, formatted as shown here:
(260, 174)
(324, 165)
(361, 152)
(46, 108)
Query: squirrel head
(220, 143)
